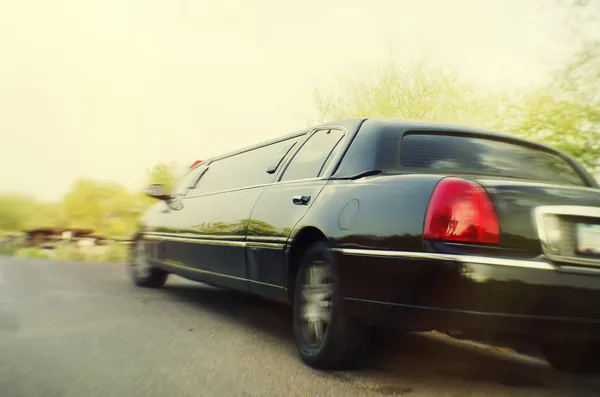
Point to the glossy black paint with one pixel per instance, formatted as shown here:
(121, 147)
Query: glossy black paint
(390, 214)
(376, 147)
(423, 294)
(277, 215)
(244, 239)
(515, 201)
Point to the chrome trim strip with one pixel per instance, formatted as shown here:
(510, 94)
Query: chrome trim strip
(199, 241)
(191, 269)
(235, 189)
(253, 245)
(198, 236)
(152, 237)
(573, 210)
(483, 260)
(267, 239)
(232, 237)
(237, 241)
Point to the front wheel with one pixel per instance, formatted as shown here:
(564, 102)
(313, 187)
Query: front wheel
(574, 357)
(142, 272)
(325, 337)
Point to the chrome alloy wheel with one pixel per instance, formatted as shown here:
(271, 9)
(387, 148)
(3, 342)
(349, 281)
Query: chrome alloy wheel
(316, 303)
(140, 265)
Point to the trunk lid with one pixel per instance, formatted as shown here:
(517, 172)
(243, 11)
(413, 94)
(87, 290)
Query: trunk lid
(516, 204)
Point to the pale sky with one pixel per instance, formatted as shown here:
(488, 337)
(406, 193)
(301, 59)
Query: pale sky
(106, 89)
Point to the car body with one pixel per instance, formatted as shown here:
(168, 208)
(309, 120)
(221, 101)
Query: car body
(358, 196)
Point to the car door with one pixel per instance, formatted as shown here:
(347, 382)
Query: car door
(213, 221)
(161, 221)
(282, 205)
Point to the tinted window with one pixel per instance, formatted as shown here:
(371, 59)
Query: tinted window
(490, 157)
(311, 157)
(332, 155)
(244, 169)
(277, 160)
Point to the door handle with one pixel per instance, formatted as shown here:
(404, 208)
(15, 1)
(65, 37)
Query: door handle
(301, 200)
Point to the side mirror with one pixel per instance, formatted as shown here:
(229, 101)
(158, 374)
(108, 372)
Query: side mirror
(158, 192)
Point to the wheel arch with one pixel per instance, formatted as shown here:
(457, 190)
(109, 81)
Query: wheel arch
(301, 241)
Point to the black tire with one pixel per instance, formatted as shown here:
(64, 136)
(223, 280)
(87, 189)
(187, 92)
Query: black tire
(344, 343)
(573, 357)
(151, 276)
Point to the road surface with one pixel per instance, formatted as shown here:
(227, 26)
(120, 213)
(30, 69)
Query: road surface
(82, 329)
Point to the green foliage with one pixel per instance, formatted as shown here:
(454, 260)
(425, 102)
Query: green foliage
(412, 91)
(22, 212)
(14, 211)
(115, 253)
(164, 174)
(559, 122)
(107, 208)
(8, 249)
(70, 253)
(31, 252)
(565, 114)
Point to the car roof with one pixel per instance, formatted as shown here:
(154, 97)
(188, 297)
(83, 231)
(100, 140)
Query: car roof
(373, 135)
(376, 126)
(422, 125)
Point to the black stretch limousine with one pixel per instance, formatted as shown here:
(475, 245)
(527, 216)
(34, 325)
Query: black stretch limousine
(369, 222)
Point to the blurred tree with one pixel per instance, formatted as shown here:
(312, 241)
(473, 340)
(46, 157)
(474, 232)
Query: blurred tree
(567, 120)
(413, 91)
(165, 174)
(15, 209)
(162, 173)
(564, 114)
(106, 207)
(22, 212)
(46, 214)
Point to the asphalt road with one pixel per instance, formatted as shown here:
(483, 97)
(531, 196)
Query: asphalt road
(82, 329)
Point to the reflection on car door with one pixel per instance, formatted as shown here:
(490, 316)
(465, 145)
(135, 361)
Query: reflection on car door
(213, 222)
(162, 221)
(282, 206)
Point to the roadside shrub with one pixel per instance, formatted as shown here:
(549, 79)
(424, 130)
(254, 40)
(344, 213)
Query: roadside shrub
(70, 253)
(113, 252)
(8, 249)
(31, 252)
(117, 253)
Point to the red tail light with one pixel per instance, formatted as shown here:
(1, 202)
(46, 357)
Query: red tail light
(195, 163)
(461, 211)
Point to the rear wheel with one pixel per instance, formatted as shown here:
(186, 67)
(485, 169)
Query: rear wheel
(325, 337)
(575, 357)
(142, 272)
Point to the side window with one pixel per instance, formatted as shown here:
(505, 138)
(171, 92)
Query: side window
(249, 168)
(277, 160)
(334, 152)
(310, 160)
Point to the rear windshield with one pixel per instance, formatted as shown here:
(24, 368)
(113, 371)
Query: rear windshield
(485, 156)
